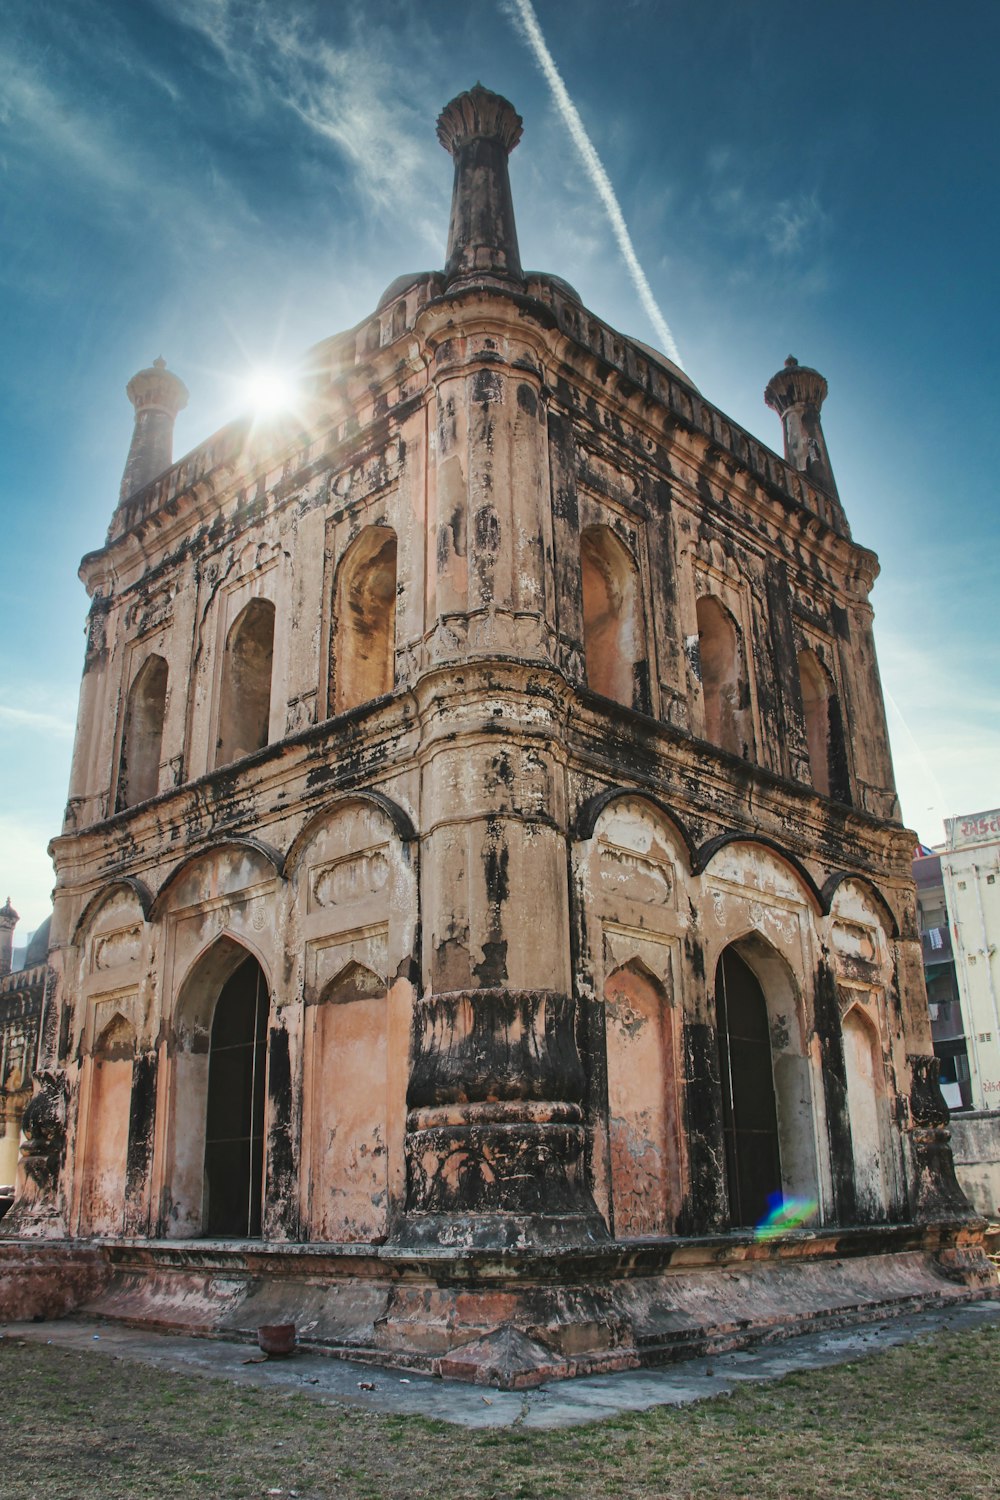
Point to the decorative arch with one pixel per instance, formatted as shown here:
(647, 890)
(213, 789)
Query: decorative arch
(363, 642)
(712, 847)
(101, 898)
(245, 696)
(590, 812)
(724, 683)
(252, 846)
(142, 735)
(613, 634)
(400, 820)
(833, 884)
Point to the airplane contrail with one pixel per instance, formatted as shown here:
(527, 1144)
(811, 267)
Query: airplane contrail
(522, 13)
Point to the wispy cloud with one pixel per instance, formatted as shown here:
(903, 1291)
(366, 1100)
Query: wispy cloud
(359, 96)
(523, 15)
(34, 722)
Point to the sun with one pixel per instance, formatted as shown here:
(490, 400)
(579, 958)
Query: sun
(270, 390)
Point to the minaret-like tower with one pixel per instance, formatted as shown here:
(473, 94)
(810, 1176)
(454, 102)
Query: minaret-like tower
(797, 394)
(8, 921)
(480, 130)
(157, 396)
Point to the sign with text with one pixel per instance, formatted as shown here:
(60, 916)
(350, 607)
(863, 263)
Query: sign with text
(977, 828)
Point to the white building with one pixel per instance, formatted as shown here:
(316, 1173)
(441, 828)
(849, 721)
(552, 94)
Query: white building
(970, 867)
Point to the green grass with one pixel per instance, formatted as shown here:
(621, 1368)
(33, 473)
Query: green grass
(919, 1420)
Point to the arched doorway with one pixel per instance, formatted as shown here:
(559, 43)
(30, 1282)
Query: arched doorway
(749, 1112)
(234, 1122)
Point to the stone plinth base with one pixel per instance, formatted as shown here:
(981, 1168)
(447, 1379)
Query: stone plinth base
(46, 1279)
(516, 1318)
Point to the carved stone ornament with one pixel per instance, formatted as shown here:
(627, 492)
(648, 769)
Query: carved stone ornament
(44, 1130)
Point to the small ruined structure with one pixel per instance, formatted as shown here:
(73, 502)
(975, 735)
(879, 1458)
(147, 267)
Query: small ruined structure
(21, 992)
(483, 930)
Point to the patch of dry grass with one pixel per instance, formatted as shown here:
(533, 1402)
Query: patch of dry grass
(919, 1420)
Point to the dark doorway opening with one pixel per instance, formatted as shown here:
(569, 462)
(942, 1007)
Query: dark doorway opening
(234, 1130)
(749, 1115)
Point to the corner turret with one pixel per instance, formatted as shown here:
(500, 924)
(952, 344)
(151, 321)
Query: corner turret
(480, 130)
(157, 396)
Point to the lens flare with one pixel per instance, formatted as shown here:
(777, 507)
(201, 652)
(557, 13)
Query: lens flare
(784, 1214)
(269, 390)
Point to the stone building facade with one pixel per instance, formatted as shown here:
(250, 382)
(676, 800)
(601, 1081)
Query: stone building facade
(482, 848)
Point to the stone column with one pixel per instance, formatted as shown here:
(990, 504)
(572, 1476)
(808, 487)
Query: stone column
(157, 396)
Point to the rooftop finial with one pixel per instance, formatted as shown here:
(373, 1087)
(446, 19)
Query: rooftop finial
(157, 396)
(480, 129)
(797, 394)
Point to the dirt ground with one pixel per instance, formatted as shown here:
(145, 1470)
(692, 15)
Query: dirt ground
(918, 1420)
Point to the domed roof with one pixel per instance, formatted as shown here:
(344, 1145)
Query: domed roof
(38, 948)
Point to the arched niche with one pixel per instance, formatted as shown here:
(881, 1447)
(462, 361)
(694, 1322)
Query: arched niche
(245, 694)
(234, 1110)
(109, 1111)
(363, 643)
(823, 728)
(345, 1107)
(766, 1075)
(142, 735)
(613, 636)
(643, 1103)
(869, 1114)
(354, 880)
(192, 1035)
(724, 684)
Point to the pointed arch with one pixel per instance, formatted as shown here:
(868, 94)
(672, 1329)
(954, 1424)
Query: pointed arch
(217, 1063)
(345, 1107)
(110, 1071)
(767, 1081)
(868, 1112)
(643, 1102)
(823, 727)
(363, 641)
(724, 683)
(245, 696)
(142, 735)
(613, 635)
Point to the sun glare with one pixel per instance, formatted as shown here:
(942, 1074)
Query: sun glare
(269, 390)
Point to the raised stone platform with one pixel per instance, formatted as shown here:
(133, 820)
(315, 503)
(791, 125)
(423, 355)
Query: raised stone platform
(509, 1318)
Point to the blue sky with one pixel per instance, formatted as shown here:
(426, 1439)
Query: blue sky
(226, 182)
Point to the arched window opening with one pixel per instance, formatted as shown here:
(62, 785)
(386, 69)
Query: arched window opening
(723, 679)
(362, 657)
(824, 728)
(866, 1106)
(749, 1111)
(234, 1124)
(245, 704)
(612, 620)
(142, 739)
(643, 1123)
(108, 1119)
